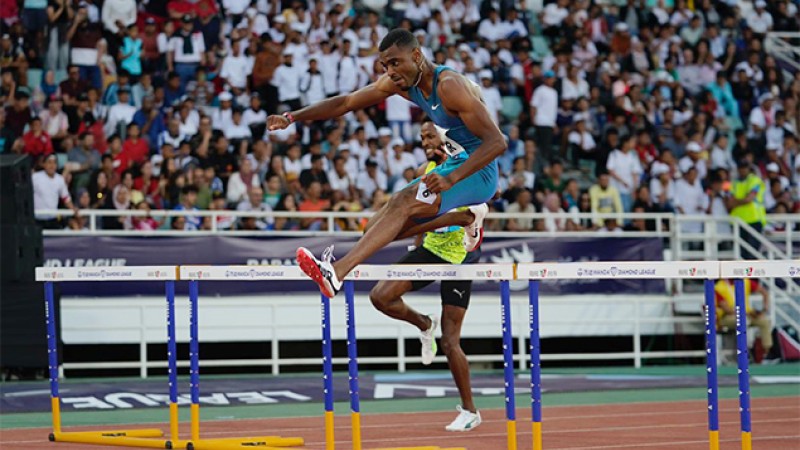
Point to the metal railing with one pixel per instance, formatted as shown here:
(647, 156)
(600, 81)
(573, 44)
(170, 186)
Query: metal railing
(663, 222)
(784, 46)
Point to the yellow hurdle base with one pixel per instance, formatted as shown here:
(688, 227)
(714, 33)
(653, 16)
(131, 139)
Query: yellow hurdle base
(261, 442)
(118, 438)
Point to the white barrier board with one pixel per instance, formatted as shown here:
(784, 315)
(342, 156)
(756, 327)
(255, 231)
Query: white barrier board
(620, 270)
(760, 269)
(111, 273)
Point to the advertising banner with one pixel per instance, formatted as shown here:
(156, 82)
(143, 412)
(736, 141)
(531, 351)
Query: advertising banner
(88, 251)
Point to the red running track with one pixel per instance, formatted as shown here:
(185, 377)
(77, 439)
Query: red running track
(663, 425)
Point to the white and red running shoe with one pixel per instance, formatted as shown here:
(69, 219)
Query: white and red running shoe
(321, 271)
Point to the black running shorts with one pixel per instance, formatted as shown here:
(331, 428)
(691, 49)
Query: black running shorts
(453, 292)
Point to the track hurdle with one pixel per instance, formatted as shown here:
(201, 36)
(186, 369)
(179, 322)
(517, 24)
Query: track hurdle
(142, 438)
(497, 272)
(225, 273)
(543, 272)
(739, 271)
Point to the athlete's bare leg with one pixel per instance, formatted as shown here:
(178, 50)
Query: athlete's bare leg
(458, 218)
(452, 318)
(387, 298)
(388, 225)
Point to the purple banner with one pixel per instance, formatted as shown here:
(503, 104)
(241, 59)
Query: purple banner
(222, 250)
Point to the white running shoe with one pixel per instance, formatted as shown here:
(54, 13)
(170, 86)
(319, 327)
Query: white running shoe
(428, 339)
(473, 233)
(465, 421)
(321, 271)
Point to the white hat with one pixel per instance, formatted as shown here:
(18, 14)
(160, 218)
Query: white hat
(485, 73)
(279, 19)
(464, 48)
(288, 52)
(225, 96)
(419, 33)
(686, 165)
(773, 167)
(764, 97)
(385, 131)
(693, 147)
(760, 4)
(658, 168)
(622, 26)
(364, 45)
(251, 12)
(398, 141)
(343, 147)
(298, 27)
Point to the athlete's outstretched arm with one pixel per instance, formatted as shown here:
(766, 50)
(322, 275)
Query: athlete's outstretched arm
(337, 106)
(458, 97)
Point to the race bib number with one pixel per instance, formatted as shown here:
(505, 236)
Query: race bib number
(451, 147)
(424, 194)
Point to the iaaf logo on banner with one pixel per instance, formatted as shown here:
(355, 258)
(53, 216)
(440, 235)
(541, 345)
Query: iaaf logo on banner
(358, 273)
(794, 271)
(486, 273)
(157, 273)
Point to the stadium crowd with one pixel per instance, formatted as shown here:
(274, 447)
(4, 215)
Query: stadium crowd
(609, 106)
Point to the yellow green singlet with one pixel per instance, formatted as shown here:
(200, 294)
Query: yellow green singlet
(446, 242)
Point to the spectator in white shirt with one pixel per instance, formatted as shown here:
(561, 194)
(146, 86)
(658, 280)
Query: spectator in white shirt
(312, 84)
(237, 129)
(347, 69)
(553, 16)
(418, 12)
(398, 114)
(693, 153)
(625, 170)
(762, 117)
(581, 142)
(491, 95)
(690, 198)
(118, 14)
(172, 135)
(187, 51)
(254, 201)
(254, 115)
(49, 188)
(371, 180)
(544, 111)
(399, 160)
(662, 188)
(720, 156)
(759, 20)
(287, 79)
(222, 116)
(491, 28)
(339, 178)
(236, 67)
(329, 66)
(121, 113)
(514, 28)
(242, 182)
(574, 86)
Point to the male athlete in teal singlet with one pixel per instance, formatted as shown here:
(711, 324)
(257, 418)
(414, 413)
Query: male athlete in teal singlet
(468, 178)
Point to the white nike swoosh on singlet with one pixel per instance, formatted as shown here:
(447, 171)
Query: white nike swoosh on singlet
(434, 107)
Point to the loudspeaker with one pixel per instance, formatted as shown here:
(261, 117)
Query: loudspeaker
(21, 251)
(23, 335)
(16, 203)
